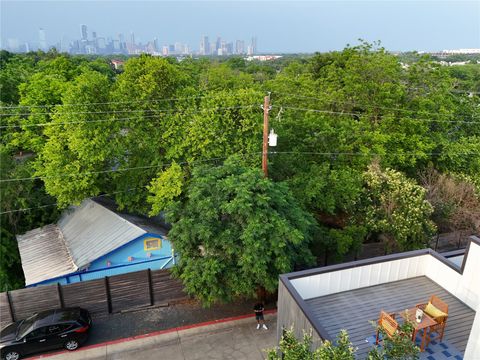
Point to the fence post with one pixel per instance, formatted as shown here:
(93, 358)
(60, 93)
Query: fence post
(109, 298)
(10, 306)
(60, 295)
(150, 286)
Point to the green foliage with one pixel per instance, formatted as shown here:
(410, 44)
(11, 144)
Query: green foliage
(79, 143)
(397, 208)
(166, 188)
(23, 195)
(398, 347)
(292, 349)
(235, 232)
(152, 123)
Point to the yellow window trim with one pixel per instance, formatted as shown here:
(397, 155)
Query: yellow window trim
(148, 241)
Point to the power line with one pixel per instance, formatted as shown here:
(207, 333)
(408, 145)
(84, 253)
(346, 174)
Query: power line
(366, 154)
(362, 114)
(60, 175)
(54, 204)
(366, 106)
(104, 103)
(127, 119)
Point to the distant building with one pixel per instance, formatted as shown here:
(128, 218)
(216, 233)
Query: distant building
(263, 57)
(240, 47)
(254, 45)
(84, 33)
(42, 40)
(204, 46)
(117, 64)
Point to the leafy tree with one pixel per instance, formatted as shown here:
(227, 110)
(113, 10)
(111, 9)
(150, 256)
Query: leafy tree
(235, 232)
(143, 94)
(397, 209)
(292, 349)
(19, 195)
(80, 144)
(14, 70)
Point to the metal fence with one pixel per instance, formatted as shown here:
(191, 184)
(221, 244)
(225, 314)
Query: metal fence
(102, 296)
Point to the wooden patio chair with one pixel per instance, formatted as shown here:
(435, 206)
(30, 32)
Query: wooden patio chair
(388, 323)
(440, 319)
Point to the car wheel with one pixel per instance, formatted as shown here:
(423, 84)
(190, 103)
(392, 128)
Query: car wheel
(12, 355)
(72, 345)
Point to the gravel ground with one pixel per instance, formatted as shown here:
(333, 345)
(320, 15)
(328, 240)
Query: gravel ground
(122, 325)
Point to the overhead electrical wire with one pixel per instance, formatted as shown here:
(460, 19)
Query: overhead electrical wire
(54, 204)
(366, 106)
(69, 174)
(363, 114)
(172, 111)
(107, 103)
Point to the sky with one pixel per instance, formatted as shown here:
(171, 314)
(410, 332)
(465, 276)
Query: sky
(280, 26)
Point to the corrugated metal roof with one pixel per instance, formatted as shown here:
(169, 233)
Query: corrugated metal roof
(91, 231)
(44, 254)
(83, 234)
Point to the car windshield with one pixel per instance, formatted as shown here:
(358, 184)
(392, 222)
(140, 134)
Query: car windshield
(25, 326)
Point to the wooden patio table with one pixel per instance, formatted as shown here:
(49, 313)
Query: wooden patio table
(426, 322)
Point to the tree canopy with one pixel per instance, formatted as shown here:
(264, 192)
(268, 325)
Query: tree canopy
(236, 231)
(358, 129)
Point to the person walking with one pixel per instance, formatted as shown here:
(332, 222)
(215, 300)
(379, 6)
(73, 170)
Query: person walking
(258, 308)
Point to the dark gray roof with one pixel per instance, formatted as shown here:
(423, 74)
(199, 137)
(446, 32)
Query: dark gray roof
(352, 310)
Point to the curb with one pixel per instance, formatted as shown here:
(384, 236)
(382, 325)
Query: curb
(155, 333)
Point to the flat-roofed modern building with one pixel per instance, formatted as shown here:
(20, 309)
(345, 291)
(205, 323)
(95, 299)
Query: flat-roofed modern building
(349, 296)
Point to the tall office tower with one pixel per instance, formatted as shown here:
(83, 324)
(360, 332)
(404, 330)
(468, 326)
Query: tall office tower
(101, 44)
(229, 48)
(121, 41)
(239, 47)
(156, 46)
(64, 44)
(204, 46)
(179, 48)
(218, 44)
(84, 32)
(132, 38)
(42, 40)
(254, 45)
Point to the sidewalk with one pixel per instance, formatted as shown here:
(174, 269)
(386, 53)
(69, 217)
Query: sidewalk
(233, 338)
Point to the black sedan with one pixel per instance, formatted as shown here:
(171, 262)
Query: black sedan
(46, 330)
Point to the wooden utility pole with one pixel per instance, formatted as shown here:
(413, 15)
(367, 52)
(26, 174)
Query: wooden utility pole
(266, 108)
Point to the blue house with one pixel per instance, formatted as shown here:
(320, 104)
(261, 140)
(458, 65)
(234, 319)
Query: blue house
(91, 241)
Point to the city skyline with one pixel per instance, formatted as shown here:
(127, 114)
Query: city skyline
(283, 27)
(92, 42)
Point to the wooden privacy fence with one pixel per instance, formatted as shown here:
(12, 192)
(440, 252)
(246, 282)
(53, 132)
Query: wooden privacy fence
(102, 296)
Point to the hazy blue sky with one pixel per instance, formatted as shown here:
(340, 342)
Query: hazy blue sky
(281, 26)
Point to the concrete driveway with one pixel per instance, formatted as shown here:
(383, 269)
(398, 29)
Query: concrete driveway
(231, 339)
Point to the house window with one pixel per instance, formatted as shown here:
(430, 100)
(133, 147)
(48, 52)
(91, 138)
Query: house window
(152, 244)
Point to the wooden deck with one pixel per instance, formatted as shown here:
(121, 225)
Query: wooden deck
(353, 309)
